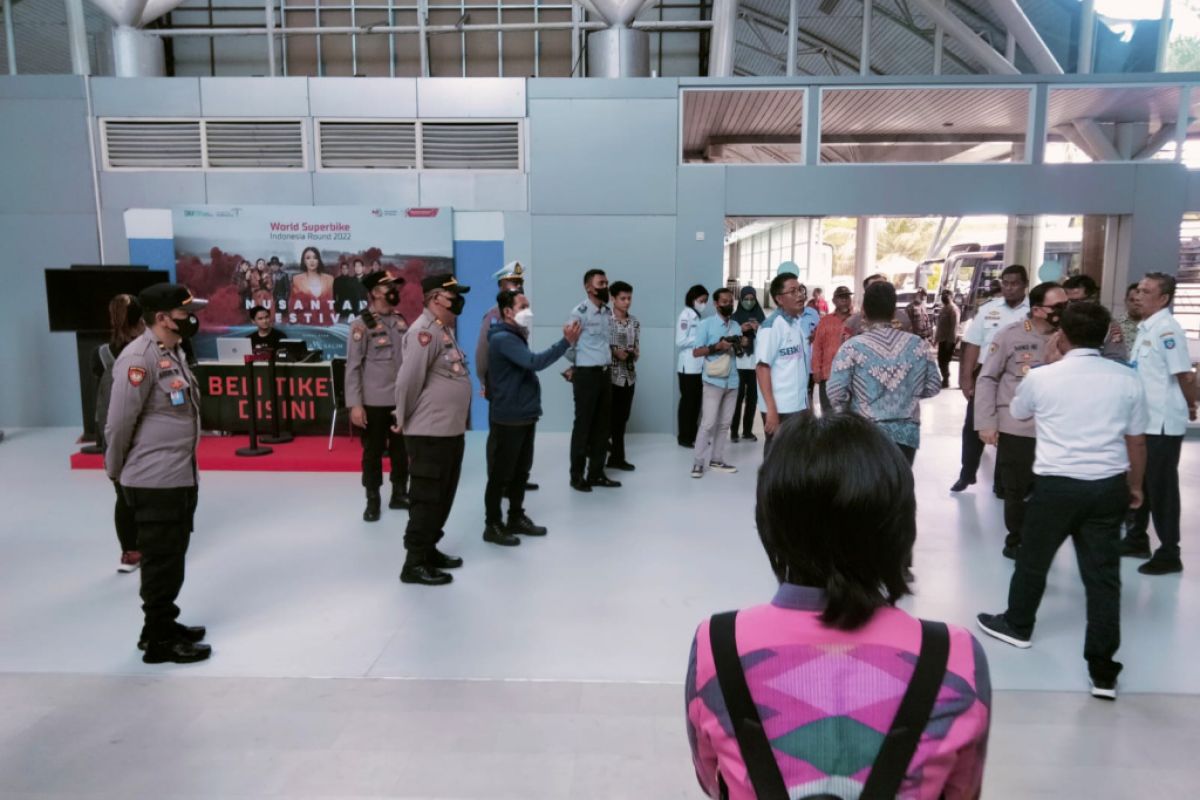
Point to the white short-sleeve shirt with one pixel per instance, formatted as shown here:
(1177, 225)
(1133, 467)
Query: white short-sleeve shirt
(1159, 354)
(991, 317)
(686, 328)
(781, 345)
(1083, 408)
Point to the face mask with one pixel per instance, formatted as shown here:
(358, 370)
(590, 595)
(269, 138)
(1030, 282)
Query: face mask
(602, 295)
(456, 304)
(392, 297)
(725, 311)
(748, 304)
(187, 328)
(524, 318)
(699, 306)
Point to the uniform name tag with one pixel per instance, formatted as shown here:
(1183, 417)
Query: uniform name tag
(177, 397)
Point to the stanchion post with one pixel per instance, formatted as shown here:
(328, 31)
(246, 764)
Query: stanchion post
(254, 449)
(276, 436)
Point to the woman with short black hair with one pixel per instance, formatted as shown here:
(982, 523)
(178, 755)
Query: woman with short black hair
(814, 681)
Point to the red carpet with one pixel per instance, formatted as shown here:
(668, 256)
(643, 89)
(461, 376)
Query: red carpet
(303, 454)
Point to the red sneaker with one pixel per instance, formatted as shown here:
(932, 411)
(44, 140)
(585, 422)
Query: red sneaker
(130, 561)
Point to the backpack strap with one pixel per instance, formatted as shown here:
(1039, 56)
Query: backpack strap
(760, 762)
(891, 765)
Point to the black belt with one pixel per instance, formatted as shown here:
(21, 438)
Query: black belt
(606, 366)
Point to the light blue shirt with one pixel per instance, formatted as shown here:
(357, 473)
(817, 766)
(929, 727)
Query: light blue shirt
(711, 331)
(594, 346)
(780, 345)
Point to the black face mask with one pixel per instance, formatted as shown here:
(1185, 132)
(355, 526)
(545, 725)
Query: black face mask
(392, 298)
(724, 311)
(456, 304)
(187, 328)
(602, 295)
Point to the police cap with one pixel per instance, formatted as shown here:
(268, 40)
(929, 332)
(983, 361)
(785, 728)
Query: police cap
(168, 297)
(444, 281)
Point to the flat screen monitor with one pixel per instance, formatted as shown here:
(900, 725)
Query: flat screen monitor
(77, 299)
(292, 350)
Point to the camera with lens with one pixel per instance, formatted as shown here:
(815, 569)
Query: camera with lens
(735, 343)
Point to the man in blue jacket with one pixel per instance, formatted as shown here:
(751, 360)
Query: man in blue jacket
(515, 405)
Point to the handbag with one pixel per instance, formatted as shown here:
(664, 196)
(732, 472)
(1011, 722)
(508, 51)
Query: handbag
(891, 764)
(719, 367)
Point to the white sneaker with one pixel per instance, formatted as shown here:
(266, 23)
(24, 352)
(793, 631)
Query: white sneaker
(721, 466)
(697, 471)
(130, 561)
(1105, 690)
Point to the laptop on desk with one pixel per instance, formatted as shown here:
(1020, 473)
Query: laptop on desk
(234, 349)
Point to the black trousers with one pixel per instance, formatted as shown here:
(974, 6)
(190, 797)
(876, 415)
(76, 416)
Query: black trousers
(972, 445)
(748, 394)
(945, 353)
(691, 393)
(622, 407)
(434, 466)
(375, 438)
(164, 530)
(509, 459)
(125, 523)
(768, 437)
(1161, 490)
(1089, 513)
(823, 396)
(1014, 465)
(592, 387)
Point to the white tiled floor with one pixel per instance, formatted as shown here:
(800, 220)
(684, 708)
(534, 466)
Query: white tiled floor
(293, 586)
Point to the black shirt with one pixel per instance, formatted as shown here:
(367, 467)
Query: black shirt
(269, 342)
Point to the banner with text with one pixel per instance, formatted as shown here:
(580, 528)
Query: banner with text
(305, 264)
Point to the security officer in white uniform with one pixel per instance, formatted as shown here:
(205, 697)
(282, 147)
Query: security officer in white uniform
(1089, 412)
(1160, 356)
(688, 366)
(591, 385)
(152, 431)
(1012, 306)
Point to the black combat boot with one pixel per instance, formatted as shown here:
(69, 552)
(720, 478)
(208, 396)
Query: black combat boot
(371, 514)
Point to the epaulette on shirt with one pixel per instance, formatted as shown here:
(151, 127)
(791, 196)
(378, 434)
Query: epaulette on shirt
(1028, 326)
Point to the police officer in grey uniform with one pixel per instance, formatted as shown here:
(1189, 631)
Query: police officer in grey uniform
(373, 359)
(152, 431)
(591, 384)
(1015, 350)
(433, 402)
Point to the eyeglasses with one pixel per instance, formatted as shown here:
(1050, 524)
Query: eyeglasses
(797, 290)
(1059, 307)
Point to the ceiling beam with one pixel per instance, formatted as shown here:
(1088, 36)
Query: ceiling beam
(1027, 36)
(777, 25)
(993, 61)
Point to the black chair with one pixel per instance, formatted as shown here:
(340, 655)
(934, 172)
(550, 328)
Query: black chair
(337, 376)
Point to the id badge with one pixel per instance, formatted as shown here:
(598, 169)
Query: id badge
(177, 398)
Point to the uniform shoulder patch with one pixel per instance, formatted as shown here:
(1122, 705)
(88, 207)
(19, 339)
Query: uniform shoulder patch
(358, 334)
(1169, 343)
(424, 337)
(581, 308)
(993, 348)
(137, 375)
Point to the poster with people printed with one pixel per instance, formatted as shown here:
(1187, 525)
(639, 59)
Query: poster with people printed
(305, 264)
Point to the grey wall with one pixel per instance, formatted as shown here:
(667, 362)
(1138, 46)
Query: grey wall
(47, 219)
(604, 188)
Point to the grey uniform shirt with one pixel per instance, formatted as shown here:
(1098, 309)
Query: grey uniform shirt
(373, 359)
(593, 348)
(153, 424)
(433, 389)
(1015, 350)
